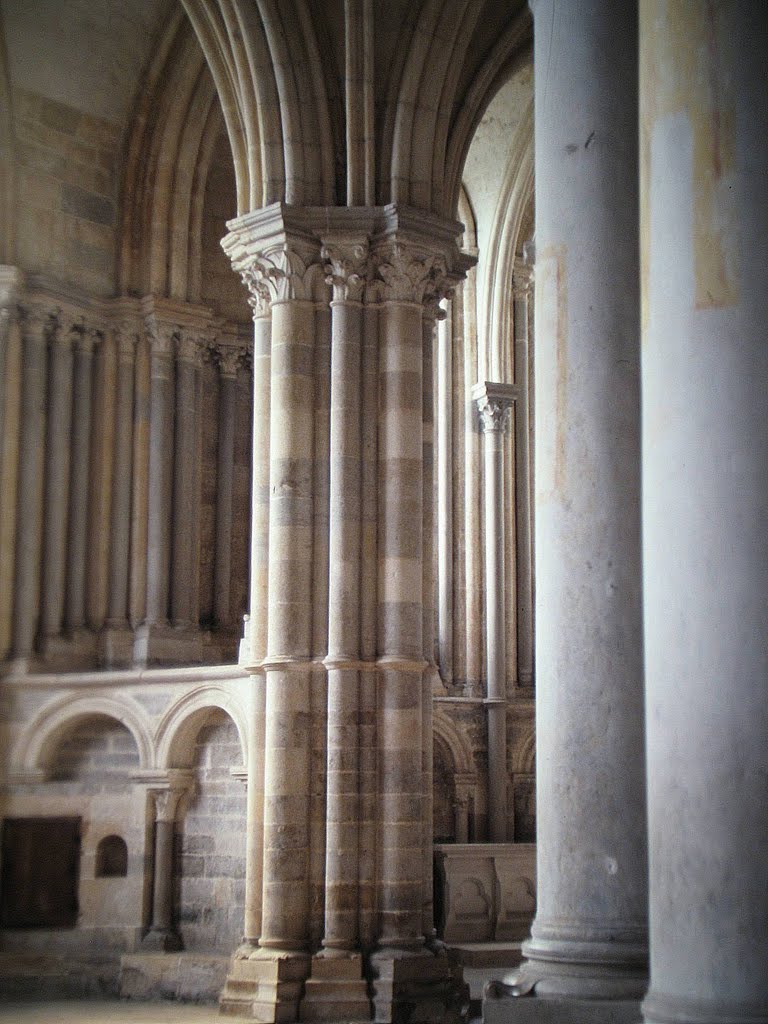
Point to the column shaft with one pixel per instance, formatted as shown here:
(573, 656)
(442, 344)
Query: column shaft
(400, 643)
(77, 539)
(522, 486)
(139, 546)
(428, 584)
(258, 605)
(186, 499)
(704, 200)
(285, 911)
(162, 933)
(29, 518)
(57, 454)
(445, 459)
(224, 489)
(121, 481)
(589, 935)
(341, 873)
(160, 473)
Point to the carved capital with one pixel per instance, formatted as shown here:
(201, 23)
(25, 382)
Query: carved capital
(346, 268)
(166, 803)
(230, 360)
(162, 337)
(190, 348)
(258, 292)
(409, 275)
(494, 402)
(37, 320)
(285, 273)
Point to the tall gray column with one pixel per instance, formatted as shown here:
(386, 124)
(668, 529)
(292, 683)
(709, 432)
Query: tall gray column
(523, 504)
(186, 498)
(229, 363)
(494, 404)
(589, 938)
(57, 465)
(121, 479)
(29, 520)
(80, 466)
(161, 401)
(347, 269)
(704, 196)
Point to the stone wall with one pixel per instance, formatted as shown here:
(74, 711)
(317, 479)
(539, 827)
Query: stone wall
(211, 844)
(67, 209)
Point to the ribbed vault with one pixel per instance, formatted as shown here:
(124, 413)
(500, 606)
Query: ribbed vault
(305, 110)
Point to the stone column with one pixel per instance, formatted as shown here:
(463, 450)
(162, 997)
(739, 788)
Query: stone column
(186, 498)
(431, 678)
(57, 466)
(10, 412)
(117, 633)
(29, 519)
(704, 222)
(229, 361)
(589, 938)
(77, 534)
(445, 462)
(346, 269)
(161, 427)
(494, 405)
(337, 979)
(523, 524)
(265, 250)
(162, 934)
(400, 645)
(254, 644)
(403, 969)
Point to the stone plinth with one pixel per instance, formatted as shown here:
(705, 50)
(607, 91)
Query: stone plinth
(489, 891)
(336, 990)
(190, 977)
(265, 988)
(412, 988)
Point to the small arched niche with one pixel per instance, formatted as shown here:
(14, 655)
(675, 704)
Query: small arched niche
(111, 858)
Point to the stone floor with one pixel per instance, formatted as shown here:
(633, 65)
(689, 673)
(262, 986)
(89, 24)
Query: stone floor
(113, 1011)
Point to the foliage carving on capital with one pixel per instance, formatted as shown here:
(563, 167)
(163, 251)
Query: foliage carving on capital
(346, 269)
(190, 347)
(494, 404)
(280, 274)
(410, 276)
(230, 360)
(162, 337)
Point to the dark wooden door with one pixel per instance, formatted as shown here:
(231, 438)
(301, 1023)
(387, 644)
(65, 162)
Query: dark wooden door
(40, 872)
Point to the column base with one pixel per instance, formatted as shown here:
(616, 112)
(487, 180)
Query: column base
(165, 645)
(336, 990)
(117, 646)
(579, 970)
(421, 986)
(266, 987)
(76, 651)
(161, 941)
